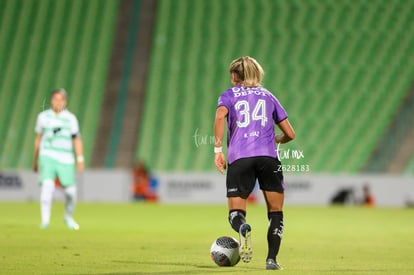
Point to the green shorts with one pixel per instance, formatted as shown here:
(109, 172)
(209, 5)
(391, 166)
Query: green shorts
(50, 169)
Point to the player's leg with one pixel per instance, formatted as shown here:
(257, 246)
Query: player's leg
(47, 187)
(70, 202)
(67, 178)
(46, 195)
(237, 212)
(240, 183)
(274, 202)
(271, 182)
(237, 219)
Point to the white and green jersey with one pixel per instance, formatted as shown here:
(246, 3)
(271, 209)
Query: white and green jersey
(57, 132)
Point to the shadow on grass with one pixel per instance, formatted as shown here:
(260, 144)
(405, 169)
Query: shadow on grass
(208, 269)
(350, 271)
(195, 268)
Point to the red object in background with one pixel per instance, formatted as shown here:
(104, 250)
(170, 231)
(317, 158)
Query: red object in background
(369, 201)
(368, 197)
(57, 182)
(141, 184)
(252, 198)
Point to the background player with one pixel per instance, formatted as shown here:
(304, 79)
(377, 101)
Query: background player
(251, 112)
(57, 135)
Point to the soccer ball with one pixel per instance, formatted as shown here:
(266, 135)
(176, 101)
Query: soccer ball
(225, 251)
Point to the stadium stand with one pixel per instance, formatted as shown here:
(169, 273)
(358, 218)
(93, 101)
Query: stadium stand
(395, 147)
(410, 167)
(125, 85)
(340, 68)
(46, 45)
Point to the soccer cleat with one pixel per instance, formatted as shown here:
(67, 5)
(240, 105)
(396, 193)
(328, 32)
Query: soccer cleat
(70, 222)
(273, 265)
(245, 249)
(44, 226)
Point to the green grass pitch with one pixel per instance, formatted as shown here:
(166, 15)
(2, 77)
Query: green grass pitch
(175, 239)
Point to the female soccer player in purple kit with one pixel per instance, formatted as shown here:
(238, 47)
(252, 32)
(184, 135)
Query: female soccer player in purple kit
(251, 112)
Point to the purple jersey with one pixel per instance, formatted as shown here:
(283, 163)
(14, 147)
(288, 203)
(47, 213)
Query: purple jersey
(252, 113)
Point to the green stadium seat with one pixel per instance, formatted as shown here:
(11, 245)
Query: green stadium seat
(46, 45)
(339, 68)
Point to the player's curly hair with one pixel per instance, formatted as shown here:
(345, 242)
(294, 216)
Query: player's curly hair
(248, 71)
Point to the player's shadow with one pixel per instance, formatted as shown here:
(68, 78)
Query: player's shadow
(202, 269)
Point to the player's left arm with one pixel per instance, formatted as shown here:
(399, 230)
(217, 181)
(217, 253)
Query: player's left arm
(78, 146)
(288, 133)
(219, 125)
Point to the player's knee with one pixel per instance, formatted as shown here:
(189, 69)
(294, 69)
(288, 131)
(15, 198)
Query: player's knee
(48, 186)
(274, 205)
(70, 191)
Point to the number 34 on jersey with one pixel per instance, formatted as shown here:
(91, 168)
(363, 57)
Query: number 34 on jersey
(245, 116)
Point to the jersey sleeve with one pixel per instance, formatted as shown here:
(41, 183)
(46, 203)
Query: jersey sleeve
(223, 100)
(74, 127)
(39, 126)
(279, 113)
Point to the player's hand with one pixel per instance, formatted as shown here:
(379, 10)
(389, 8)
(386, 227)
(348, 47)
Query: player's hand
(80, 166)
(220, 162)
(35, 167)
(278, 138)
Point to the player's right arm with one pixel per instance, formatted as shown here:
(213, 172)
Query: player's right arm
(38, 139)
(219, 125)
(36, 151)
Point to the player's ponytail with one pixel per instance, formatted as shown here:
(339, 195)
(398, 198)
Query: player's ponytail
(236, 67)
(248, 70)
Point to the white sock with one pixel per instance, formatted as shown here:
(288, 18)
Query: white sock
(70, 201)
(46, 195)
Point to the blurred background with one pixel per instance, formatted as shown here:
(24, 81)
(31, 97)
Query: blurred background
(143, 78)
